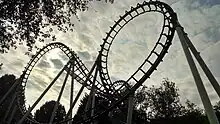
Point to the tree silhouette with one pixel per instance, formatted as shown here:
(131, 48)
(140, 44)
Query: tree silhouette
(6, 82)
(164, 101)
(43, 114)
(100, 105)
(217, 109)
(152, 105)
(80, 111)
(29, 21)
(192, 114)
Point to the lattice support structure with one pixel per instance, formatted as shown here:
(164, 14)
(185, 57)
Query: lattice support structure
(115, 92)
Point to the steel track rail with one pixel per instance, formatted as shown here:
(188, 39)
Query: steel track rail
(80, 77)
(159, 50)
(153, 60)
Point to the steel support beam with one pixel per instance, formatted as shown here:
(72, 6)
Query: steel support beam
(9, 108)
(91, 97)
(72, 90)
(13, 87)
(59, 97)
(42, 95)
(12, 114)
(80, 91)
(200, 86)
(130, 108)
(204, 67)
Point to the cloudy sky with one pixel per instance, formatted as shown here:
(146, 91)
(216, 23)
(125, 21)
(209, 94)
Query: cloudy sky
(200, 18)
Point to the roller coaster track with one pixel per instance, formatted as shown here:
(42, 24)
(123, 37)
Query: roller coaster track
(160, 49)
(80, 77)
(116, 91)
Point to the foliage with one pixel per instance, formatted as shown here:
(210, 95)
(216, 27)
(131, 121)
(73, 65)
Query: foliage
(31, 20)
(43, 114)
(6, 82)
(193, 114)
(152, 105)
(161, 102)
(217, 109)
(81, 109)
(192, 109)
(100, 105)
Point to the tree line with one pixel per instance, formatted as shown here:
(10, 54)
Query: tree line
(152, 105)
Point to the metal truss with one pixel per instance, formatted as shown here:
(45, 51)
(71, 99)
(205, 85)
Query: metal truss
(115, 92)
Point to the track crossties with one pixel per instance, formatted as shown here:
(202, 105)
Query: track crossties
(157, 53)
(80, 72)
(115, 92)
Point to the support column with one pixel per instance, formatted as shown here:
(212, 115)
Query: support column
(130, 108)
(204, 67)
(91, 98)
(12, 114)
(72, 90)
(200, 86)
(60, 95)
(93, 105)
(42, 95)
(13, 88)
(80, 91)
(12, 103)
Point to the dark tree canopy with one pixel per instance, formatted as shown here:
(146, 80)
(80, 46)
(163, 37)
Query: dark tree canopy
(44, 113)
(22, 21)
(161, 102)
(153, 105)
(6, 82)
(100, 104)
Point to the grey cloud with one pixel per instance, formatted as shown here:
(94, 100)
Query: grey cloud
(213, 34)
(114, 78)
(209, 2)
(63, 57)
(85, 39)
(33, 85)
(84, 55)
(40, 82)
(57, 63)
(44, 64)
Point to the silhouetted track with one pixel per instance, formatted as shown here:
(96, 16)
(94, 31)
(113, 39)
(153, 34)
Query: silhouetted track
(116, 91)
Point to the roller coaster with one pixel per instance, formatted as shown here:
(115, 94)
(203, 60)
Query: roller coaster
(114, 92)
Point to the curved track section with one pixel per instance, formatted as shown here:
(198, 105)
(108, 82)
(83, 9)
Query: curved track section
(121, 86)
(119, 89)
(151, 62)
(159, 50)
(80, 73)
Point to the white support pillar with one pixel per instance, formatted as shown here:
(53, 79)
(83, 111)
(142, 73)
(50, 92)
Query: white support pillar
(204, 67)
(200, 86)
(130, 108)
